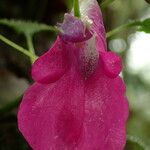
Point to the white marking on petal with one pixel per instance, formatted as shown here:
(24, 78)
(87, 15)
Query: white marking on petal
(85, 6)
(89, 57)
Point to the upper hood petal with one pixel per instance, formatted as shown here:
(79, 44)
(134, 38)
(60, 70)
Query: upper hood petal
(91, 14)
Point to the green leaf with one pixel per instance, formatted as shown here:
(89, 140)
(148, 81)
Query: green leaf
(135, 143)
(145, 25)
(27, 27)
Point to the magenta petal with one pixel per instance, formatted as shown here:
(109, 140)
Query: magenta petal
(52, 65)
(73, 29)
(112, 64)
(51, 116)
(106, 112)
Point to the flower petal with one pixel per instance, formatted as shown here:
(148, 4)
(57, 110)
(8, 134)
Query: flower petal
(106, 112)
(52, 65)
(91, 13)
(51, 115)
(112, 64)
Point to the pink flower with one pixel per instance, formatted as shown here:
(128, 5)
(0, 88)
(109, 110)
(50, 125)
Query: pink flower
(78, 101)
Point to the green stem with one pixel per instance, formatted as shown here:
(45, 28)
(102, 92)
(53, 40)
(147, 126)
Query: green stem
(138, 141)
(76, 8)
(30, 46)
(18, 48)
(53, 29)
(106, 3)
(122, 27)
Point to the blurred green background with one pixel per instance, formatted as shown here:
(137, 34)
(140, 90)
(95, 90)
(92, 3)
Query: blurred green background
(133, 46)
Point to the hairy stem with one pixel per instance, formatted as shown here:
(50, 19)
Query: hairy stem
(30, 45)
(105, 3)
(76, 8)
(122, 27)
(18, 48)
(138, 141)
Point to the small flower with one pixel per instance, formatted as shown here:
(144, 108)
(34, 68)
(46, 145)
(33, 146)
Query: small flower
(78, 101)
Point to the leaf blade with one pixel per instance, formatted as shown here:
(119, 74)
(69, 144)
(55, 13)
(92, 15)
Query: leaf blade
(27, 27)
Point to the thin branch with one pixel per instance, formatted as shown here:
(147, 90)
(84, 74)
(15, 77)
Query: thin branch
(105, 3)
(138, 141)
(30, 45)
(76, 8)
(122, 27)
(18, 47)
